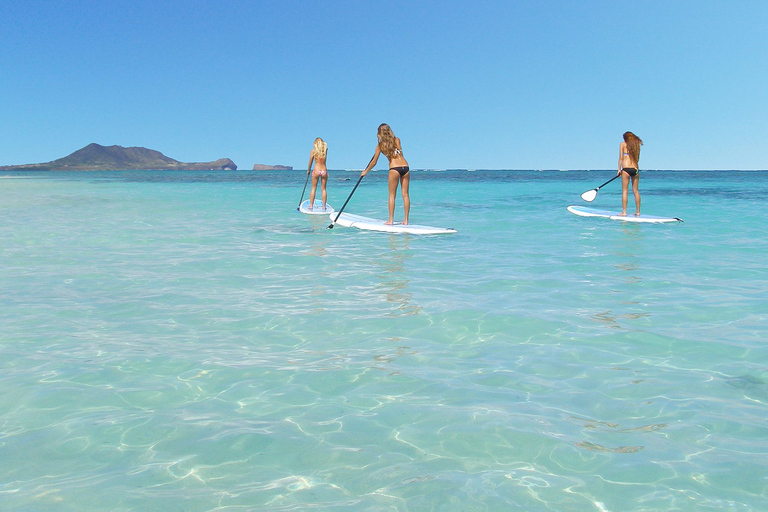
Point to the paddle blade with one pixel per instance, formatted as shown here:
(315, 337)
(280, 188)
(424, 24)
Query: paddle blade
(589, 195)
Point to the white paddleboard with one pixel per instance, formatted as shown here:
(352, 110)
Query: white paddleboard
(350, 220)
(586, 211)
(317, 208)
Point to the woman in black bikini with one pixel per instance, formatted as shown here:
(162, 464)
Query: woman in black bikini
(629, 155)
(399, 172)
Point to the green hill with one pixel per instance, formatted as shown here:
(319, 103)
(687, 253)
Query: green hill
(95, 157)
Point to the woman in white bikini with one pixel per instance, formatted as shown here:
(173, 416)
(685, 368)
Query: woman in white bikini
(319, 154)
(399, 172)
(629, 156)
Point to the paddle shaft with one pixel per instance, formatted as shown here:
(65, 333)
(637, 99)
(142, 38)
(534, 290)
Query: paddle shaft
(304, 190)
(345, 202)
(607, 182)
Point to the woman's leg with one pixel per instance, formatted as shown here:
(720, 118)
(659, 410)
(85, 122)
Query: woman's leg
(393, 178)
(624, 192)
(636, 192)
(312, 191)
(404, 184)
(325, 193)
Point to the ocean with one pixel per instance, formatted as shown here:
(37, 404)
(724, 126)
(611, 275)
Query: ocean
(188, 341)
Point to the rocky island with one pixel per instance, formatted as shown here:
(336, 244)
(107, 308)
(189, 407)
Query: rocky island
(262, 167)
(95, 157)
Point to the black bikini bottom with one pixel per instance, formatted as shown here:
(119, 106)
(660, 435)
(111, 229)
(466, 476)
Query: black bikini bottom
(402, 170)
(631, 171)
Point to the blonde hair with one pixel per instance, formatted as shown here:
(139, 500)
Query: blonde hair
(387, 143)
(633, 146)
(320, 148)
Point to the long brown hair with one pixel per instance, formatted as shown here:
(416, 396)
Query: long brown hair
(387, 143)
(633, 146)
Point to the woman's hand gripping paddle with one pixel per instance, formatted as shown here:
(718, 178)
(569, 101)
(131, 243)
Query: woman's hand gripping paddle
(590, 195)
(345, 203)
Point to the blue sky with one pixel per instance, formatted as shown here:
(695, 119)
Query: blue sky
(464, 84)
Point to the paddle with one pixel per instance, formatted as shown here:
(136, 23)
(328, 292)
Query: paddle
(345, 202)
(590, 195)
(298, 208)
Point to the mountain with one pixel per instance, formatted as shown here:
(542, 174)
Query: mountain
(95, 157)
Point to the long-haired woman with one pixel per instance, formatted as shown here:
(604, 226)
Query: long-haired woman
(629, 156)
(399, 172)
(319, 154)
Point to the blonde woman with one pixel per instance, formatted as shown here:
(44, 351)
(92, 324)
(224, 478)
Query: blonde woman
(629, 156)
(399, 172)
(318, 155)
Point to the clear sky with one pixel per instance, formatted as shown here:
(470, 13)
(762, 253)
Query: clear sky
(465, 84)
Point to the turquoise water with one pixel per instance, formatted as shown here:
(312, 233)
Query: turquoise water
(189, 342)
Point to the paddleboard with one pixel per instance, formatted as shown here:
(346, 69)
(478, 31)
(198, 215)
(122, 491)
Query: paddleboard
(317, 208)
(586, 211)
(350, 220)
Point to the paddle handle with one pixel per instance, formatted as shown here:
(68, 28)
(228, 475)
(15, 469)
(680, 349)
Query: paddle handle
(345, 202)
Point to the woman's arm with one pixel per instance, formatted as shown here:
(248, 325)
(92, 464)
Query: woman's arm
(372, 162)
(311, 157)
(621, 156)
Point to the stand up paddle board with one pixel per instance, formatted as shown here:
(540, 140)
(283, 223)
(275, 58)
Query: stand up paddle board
(586, 211)
(317, 208)
(350, 220)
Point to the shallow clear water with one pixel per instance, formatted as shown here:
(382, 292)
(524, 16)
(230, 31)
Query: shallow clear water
(189, 341)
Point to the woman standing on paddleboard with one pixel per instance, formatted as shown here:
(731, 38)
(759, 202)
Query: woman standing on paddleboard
(399, 172)
(319, 154)
(629, 155)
